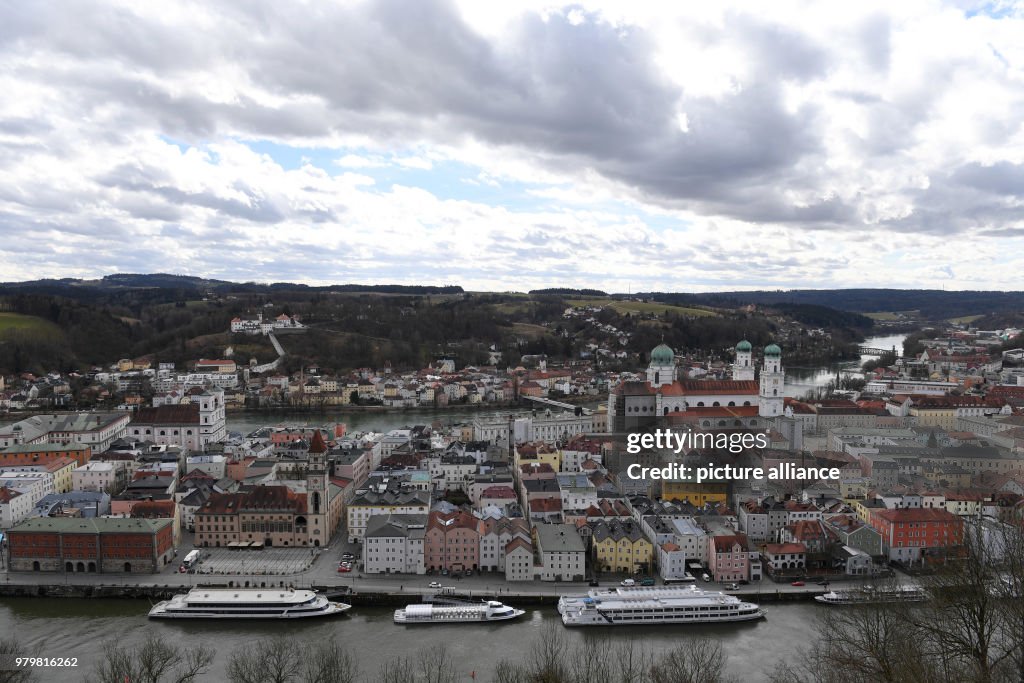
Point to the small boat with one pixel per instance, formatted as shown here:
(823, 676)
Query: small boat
(246, 603)
(868, 595)
(492, 610)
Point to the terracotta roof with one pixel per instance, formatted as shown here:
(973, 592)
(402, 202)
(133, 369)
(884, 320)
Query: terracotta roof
(187, 413)
(785, 548)
(917, 515)
(546, 505)
(317, 445)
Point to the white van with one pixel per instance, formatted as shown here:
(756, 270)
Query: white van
(628, 582)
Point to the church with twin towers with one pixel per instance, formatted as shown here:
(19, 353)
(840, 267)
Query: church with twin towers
(747, 400)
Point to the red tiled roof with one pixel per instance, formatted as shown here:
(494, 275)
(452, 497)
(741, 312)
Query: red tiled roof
(917, 515)
(785, 548)
(187, 413)
(546, 505)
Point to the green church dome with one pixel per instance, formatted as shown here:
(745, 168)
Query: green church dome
(663, 355)
(744, 346)
(772, 350)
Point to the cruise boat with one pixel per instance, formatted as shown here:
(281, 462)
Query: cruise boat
(246, 603)
(870, 595)
(651, 606)
(492, 610)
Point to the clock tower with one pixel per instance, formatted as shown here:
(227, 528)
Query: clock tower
(317, 492)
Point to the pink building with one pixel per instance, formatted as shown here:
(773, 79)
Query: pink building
(729, 558)
(452, 541)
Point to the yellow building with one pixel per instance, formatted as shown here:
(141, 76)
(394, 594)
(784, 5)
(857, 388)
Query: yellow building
(935, 416)
(61, 468)
(538, 452)
(713, 492)
(620, 546)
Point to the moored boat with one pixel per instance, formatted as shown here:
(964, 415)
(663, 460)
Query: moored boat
(870, 595)
(492, 610)
(246, 603)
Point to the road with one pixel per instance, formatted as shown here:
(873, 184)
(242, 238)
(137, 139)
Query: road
(323, 572)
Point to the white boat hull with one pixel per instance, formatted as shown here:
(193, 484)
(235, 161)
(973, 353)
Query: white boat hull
(456, 614)
(332, 609)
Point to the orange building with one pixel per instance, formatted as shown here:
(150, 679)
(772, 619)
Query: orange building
(918, 535)
(92, 545)
(42, 453)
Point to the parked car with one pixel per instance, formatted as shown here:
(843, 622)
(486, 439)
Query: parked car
(435, 584)
(705, 577)
(628, 582)
(444, 572)
(348, 556)
(344, 570)
(647, 581)
(798, 583)
(733, 586)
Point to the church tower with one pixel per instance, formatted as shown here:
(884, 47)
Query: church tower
(771, 398)
(317, 499)
(743, 368)
(662, 369)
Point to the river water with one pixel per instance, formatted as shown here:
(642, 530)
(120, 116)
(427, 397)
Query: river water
(801, 380)
(77, 628)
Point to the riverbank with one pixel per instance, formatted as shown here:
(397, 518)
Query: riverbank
(369, 598)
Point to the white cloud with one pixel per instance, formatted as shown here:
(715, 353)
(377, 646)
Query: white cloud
(591, 144)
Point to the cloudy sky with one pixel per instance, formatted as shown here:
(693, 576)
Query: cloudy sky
(611, 145)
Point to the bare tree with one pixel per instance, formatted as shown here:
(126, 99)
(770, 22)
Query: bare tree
(434, 665)
(152, 661)
(965, 623)
(863, 643)
(288, 660)
(9, 650)
(699, 661)
(328, 662)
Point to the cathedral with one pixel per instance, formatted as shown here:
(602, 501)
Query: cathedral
(743, 401)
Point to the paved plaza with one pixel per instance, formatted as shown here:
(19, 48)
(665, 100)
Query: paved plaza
(265, 562)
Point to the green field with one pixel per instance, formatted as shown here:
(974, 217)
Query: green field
(891, 315)
(965, 319)
(29, 323)
(641, 307)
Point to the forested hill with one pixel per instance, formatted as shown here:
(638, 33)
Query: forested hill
(931, 303)
(173, 287)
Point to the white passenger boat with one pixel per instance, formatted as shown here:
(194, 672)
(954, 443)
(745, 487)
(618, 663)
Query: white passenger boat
(651, 606)
(870, 595)
(492, 610)
(246, 603)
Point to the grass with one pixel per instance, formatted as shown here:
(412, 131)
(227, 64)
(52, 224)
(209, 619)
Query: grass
(514, 307)
(891, 315)
(27, 323)
(529, 330)
(965, 319)
(641, 307)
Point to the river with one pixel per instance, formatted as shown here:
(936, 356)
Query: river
(801, 380)
(77, 628)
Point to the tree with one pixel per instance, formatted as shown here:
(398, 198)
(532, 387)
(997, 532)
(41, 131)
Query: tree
(434, 665)
(972, 628)
(9, 650)
(287, 660)
(154, 660)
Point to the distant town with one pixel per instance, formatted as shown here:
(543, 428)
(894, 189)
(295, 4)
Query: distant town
(929, 446)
